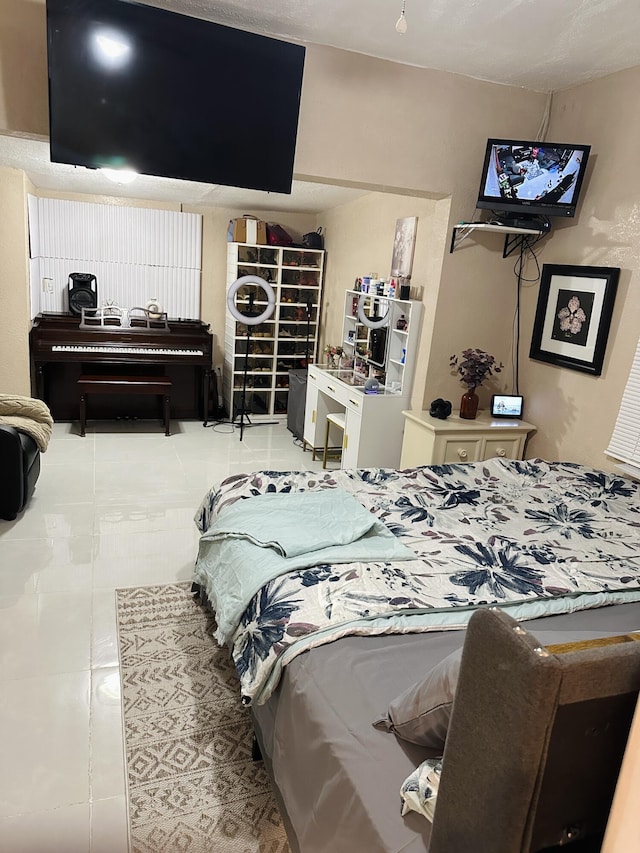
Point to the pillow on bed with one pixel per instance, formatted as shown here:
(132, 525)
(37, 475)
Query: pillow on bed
(419, 791)
(421, 714)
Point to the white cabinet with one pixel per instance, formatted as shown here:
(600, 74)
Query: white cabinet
(287, 341)
(388, 353)
(431, 441)
(372, 435)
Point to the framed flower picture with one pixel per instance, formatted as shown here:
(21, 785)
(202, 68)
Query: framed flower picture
(573, 316)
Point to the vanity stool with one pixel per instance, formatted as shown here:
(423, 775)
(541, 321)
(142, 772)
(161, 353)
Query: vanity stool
(336, 419)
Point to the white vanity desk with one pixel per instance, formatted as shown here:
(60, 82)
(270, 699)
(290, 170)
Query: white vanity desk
(373, 422)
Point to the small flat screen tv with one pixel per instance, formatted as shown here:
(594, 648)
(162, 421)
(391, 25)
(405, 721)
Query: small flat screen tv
(133, 86)
(523, 180)
(507, 405)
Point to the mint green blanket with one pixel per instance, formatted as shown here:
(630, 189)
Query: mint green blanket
(255, 540)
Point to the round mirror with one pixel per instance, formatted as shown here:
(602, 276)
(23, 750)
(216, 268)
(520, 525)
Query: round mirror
(367, 321)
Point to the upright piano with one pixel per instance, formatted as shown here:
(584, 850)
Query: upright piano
(61, 351)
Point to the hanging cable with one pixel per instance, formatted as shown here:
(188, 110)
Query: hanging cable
(542, 130)
(526, 248)
(515, 355)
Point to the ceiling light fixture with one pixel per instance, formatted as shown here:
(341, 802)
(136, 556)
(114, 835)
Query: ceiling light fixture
(401, 23)
(120, 176)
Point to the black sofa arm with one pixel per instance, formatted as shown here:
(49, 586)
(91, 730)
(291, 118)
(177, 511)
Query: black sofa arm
(19, 470)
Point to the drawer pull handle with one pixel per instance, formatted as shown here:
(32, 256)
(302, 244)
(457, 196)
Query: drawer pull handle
(354, 402)
(462, 453)
(331, 388)
(501, 452)
(313, 376)
(313, 417)
(345, 441)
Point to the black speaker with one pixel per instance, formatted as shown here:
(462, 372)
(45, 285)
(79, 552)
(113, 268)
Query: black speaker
(83, 291)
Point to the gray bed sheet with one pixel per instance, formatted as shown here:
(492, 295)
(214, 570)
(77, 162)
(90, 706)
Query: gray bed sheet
(338, 778)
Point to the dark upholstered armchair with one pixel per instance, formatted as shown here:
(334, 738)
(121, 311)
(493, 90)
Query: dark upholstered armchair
(19, 470)
(535, 741)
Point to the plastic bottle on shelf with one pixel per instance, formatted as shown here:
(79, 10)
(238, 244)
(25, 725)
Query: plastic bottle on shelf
(401, 323)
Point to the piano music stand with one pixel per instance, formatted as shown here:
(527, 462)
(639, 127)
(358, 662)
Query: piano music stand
(251, 318)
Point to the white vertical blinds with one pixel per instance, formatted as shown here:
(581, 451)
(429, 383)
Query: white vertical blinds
(136, 254)
(625, 441)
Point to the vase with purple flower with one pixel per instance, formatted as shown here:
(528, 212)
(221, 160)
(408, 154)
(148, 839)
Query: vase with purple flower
(473, 366)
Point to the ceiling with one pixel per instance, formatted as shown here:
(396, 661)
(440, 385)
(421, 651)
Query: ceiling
(544, 45)
(32, 156)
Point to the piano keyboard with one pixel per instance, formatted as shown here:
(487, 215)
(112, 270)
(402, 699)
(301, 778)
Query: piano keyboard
(127, 350)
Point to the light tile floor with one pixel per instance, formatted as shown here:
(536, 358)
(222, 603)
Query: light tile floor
(112, 509)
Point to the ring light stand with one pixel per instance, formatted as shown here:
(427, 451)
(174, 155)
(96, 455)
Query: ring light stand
(250, 319)
(306, 347)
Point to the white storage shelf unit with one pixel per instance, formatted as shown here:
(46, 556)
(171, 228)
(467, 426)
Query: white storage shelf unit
(387, 354)
(287, 340)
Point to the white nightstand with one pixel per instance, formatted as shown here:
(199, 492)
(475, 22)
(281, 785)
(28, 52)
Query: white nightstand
(430, 441)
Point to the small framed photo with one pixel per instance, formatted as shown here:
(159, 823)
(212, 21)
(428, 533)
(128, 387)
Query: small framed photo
(573, 316)
(403, 246)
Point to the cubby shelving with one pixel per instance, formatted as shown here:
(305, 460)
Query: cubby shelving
(287, 340)
(387, 354)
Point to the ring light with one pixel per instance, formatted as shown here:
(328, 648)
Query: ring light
(366, 321)
(233, 308)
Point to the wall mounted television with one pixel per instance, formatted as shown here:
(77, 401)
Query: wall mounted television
(523, 180)
(134, 86)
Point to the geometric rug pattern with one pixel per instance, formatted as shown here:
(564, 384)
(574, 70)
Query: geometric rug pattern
(192, 785)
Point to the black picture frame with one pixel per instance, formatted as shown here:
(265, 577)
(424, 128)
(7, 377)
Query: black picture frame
(573, 316)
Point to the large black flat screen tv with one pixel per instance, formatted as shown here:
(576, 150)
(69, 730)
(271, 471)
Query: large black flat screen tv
(525, 179)
(133, 86)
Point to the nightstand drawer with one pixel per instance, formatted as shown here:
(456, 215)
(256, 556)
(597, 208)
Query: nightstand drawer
(503, 447)
(452, 450)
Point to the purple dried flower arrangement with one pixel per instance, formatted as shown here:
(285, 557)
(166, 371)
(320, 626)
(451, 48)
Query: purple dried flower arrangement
(474, 366)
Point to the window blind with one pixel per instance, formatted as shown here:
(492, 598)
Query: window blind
(137, 254)
(625, 441)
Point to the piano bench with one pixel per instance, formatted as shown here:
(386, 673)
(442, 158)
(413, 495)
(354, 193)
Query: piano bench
(159, 385)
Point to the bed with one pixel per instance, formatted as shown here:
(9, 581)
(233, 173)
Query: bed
(327, 624)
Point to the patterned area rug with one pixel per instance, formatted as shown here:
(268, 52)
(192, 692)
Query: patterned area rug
(192, 785)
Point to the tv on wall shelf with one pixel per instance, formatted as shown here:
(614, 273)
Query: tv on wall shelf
(523, 180)
(138, 87)
(525, 184)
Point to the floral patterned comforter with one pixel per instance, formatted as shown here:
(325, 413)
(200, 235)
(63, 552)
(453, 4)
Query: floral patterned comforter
(536, 537)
